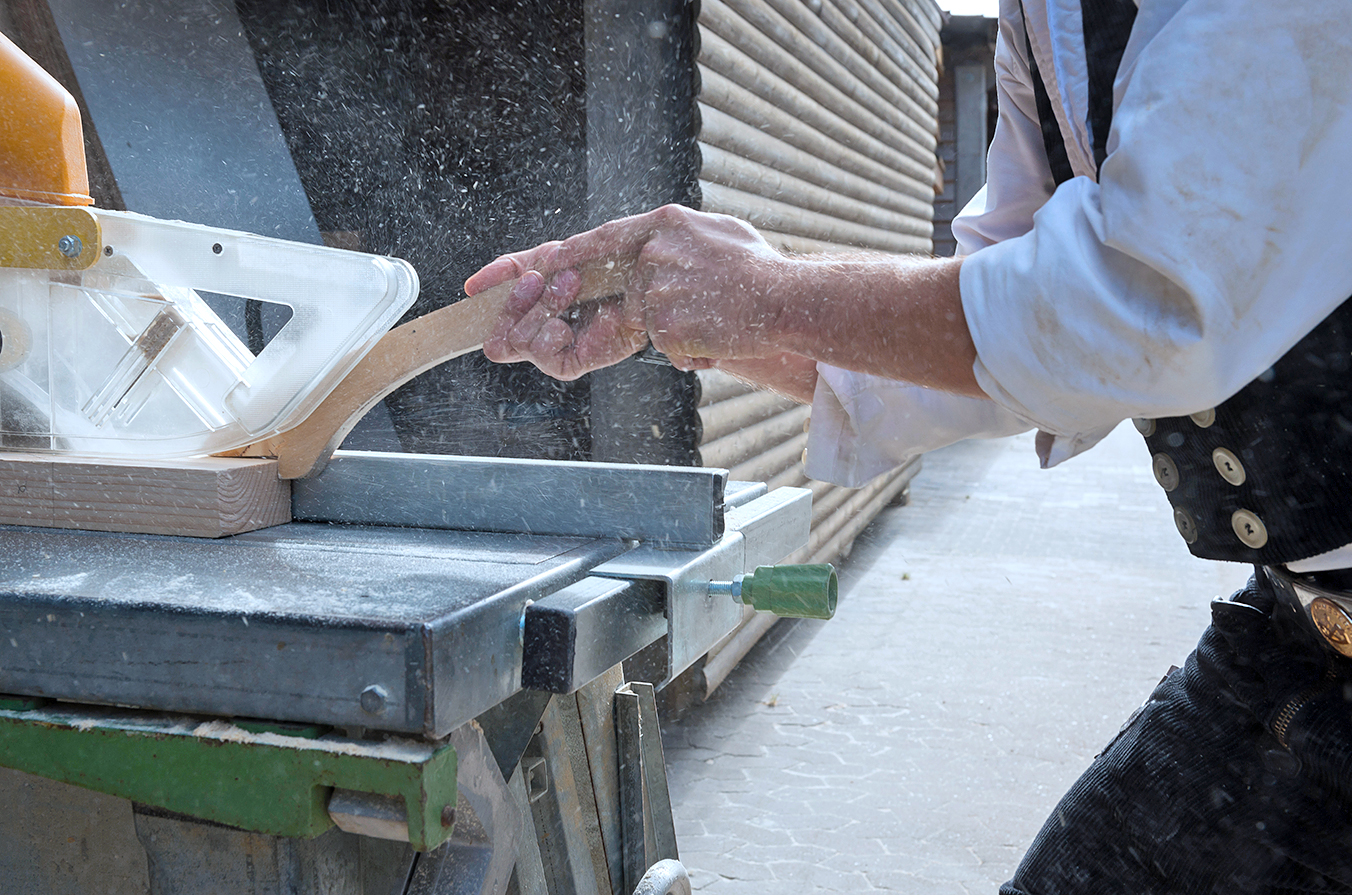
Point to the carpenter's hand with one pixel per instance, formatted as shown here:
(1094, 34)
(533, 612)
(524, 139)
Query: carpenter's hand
(702, 288)
(540, 324)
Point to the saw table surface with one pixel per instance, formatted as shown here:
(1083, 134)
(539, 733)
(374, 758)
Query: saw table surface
(401, 629)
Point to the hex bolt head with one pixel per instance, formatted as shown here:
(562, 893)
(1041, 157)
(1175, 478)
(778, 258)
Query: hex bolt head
(70, 246)
(373, 699)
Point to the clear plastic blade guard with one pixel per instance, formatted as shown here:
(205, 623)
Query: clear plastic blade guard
(124, 358)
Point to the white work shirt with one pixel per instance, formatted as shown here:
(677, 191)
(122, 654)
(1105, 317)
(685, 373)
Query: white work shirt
(1214, 239)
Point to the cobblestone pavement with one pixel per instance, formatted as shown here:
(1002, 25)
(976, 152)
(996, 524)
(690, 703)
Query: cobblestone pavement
(992, 636)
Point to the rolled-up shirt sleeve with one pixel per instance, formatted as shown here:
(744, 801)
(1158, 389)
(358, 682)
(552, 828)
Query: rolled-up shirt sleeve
(864, 425)
(1212, 242)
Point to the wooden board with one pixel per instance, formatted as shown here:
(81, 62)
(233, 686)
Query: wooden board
(401, 354)
(404, 352)
(208, 497)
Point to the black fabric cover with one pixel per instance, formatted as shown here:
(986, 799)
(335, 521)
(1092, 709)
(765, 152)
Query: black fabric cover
(1196, 795)
(1107, 27)
(1052, 140)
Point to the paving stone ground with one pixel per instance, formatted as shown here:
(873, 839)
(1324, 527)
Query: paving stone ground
(992, 637)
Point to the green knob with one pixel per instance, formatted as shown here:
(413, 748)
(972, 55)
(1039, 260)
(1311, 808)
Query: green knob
(806, 591)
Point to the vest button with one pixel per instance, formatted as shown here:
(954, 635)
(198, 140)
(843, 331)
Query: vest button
(1203, 418)
(1228, 465)
(1166, 473)
(1249, 528)
(1187, 527)
(1144, 426)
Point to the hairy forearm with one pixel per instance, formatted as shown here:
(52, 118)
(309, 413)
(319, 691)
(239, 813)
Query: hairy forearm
(708, 290)
(791, 375)
(896, 318)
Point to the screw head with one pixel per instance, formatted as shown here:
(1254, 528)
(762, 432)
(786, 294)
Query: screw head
(70, 246)
(373, 699)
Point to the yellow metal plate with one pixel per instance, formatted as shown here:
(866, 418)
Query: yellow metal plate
(48, 238)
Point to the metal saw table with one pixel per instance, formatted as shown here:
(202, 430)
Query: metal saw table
(413, 688)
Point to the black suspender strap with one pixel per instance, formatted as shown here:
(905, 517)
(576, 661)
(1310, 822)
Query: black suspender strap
(1107, 26)
(1052, 139)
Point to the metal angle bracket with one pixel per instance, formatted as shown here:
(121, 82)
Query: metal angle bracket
(695, 618)
(761, 531)
(262, 782)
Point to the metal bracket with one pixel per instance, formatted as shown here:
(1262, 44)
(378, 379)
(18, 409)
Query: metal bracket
(761, 530)
(48, 238)
(695, 619)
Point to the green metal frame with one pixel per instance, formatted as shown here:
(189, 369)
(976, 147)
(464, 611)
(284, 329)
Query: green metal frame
(264, 782)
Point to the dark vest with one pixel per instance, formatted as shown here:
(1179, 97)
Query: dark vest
(1264, 477)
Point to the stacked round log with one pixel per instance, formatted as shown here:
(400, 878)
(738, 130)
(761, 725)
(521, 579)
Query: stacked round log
(819, 119)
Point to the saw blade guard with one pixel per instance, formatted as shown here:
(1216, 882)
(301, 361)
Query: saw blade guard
(125, 359)
(42, 155)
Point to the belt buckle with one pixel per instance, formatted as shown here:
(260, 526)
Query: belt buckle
(1328, 610)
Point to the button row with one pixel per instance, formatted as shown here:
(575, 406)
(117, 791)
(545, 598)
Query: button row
(1247, 527)
(1203, 418)
(1225, 461)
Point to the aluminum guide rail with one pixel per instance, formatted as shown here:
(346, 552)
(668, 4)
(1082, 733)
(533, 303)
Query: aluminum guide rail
(610, 500)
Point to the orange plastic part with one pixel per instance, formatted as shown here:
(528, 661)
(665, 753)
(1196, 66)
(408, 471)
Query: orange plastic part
(41, 141)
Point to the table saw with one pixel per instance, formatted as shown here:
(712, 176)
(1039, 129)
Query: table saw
(429, 656)
(407, 675)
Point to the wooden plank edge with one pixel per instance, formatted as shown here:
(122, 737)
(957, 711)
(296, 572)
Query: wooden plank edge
(209, 497)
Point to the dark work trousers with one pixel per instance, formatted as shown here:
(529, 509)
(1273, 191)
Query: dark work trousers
(1235, 777)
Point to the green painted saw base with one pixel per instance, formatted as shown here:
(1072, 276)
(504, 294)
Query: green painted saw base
(264, 782)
